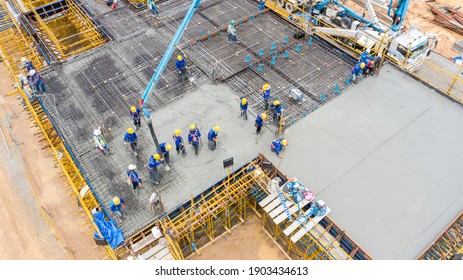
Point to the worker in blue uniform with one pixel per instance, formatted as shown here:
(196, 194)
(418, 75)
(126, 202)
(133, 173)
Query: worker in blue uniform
(266, 95)
(179, 143)
(194, 137)
(357, 70)
(134, 178)
(244, 107)
(180, 64)
(152, 8)
(131, 138)
(231, 30)
(277, 109)
(364, 56)
(36, 82)
(153, 163)
(165, 148)
(277, 146)
(260, 122)
(135, 113)
(116, 206)
(27, 64)
(213, 137)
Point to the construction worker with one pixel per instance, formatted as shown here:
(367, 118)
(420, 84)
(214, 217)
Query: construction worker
(155, 202)
(364, 56)
(152, 8)
(369, 65)
(179, 143)
(27, 64)
(244, 107)
(116, 206)
(100, 143)
(135, 113)
(356, 70)
(277, 108)
(231, 30)
(36, 81)
(132, 138)
(181, 67)
(277, 146)
(134, 178)
(261, 5)
(153, 163)
(165, 148)
(213, 137)
(194, 137)
(24, 84)
(260, 121)
(266, 95)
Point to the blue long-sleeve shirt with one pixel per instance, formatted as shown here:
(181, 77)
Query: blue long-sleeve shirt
(163, 148)
(29, 66)
(34, 79)
(153, 163)
(133, 176)
(178, 141)
(136, 115)
(364, 56)
(277, 146)
(356, 69)
(277, 109)
(245, 106)
(116, 208)
(130, 138)
(180, 64)
(212, 134)
(193, 135)
(266, 94)
(259, 120)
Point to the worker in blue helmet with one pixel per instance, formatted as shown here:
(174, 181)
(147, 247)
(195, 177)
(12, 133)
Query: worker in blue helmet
(231, 30)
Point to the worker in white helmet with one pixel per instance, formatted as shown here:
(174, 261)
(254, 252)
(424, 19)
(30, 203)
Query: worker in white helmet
(26, 63)
(35, 80)
(100, 143)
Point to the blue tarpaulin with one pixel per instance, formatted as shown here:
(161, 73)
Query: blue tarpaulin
(109, 230)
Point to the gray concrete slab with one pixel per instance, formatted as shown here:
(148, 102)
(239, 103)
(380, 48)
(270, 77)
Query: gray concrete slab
(386, 157)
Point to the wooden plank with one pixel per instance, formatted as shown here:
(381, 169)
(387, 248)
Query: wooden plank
(267, 200)
(275, 203)
(280, 209)
(291, 210)
(308, 226)
(294, 226)
(143, 243)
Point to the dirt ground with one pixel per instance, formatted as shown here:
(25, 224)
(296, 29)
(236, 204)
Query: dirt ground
(249, 242)
(26, 169)
(420, 15)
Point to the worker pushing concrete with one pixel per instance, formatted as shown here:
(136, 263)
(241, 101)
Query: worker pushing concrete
(152, 8)
(213, 137)
(135, 113)
(165, 148)
(152, 166)
(133, 178)
(244, 107)
(116, 206)
(36, 81)
(277, 109)
(194, 137)
(26, 63)
(181, 67)
(231, 30)
(131, 138)
(278, 145)
(357, 70)
(260, 121)
(266, 95)
(100, 142)
(179, 143)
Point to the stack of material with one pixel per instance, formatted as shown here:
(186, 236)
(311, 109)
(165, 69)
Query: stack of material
(449, 17)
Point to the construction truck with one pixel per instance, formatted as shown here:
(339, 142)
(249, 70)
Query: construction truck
(332, 19)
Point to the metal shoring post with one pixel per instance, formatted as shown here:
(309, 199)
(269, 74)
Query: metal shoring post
(449, 90)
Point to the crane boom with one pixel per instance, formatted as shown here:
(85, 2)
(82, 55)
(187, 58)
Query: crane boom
(397, 14)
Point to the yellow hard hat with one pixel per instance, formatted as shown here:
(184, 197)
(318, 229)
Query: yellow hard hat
(264, 116)
(217, 128)
(372, 63)
(168, 147)
(157, 156)
(177, 132)
(266, 86)
(284, 142)
(133, 109)
(116, 200)
(192, 126)
(179, 57)
(276, 102)
(130, 130)
(244, 101)
(362, 65)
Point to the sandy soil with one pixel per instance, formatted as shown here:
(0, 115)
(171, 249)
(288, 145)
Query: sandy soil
(420, 15)
(249, 242)
(24, 231)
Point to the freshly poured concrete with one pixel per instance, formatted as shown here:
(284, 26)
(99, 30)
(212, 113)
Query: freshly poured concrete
(386, 156)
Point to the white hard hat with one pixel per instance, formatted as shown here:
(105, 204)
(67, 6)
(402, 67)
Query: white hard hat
(96, 132)
(132, 167)
(321, 203)
(32, 72)
(368, 50)
(23, 59)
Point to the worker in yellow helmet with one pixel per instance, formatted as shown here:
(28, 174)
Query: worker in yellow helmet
(277, 109)
(180, 64)
(179, 143)
(244, 107)
(116, 206)
(260, 121)
(131, 138)
(135, 113)
(278, 145)
(153, 163)
(266, 95)
(194, 137)
(165, 148)
(213, 137)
